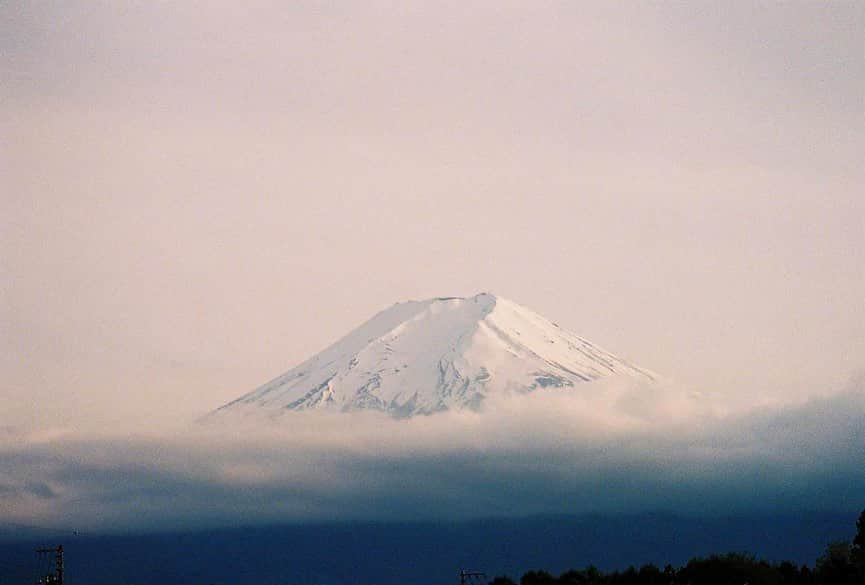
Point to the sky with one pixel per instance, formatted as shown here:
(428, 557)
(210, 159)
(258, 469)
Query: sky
(195, 197)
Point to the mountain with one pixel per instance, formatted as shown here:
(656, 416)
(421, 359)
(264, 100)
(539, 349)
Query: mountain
(422, 357)
(420, 553)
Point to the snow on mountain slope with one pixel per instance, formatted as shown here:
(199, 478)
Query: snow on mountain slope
(421, 357)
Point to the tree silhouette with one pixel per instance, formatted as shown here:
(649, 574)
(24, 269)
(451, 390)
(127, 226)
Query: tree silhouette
(857, 551)
(842, 563)
(537, 578)
(729, 568)
(859, 540)
(835, 566)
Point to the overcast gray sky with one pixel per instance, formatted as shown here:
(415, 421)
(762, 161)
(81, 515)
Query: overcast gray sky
(194, 197)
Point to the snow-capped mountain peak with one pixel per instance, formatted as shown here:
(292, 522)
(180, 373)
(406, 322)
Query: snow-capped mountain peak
(421, 357)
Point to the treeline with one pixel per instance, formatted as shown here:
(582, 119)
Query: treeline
(842, 563)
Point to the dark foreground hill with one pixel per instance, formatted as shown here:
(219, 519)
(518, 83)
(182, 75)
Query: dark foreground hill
(416, 553)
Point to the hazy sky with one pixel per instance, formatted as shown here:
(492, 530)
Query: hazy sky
(194, 197)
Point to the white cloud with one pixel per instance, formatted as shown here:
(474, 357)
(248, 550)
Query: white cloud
(545, 454)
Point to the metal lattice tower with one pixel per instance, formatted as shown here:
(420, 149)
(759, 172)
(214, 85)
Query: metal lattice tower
(56, 576)
(472, 577)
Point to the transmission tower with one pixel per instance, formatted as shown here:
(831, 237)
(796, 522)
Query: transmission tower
(472, 577)
(54, 577)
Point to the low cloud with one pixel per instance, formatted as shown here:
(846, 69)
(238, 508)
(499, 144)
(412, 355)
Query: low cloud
(557, 452)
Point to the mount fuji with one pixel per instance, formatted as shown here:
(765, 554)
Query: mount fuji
(423, 357)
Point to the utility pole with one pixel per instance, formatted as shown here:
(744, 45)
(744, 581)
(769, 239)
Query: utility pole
(55, 578)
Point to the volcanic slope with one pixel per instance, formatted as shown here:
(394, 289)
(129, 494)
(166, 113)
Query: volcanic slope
(422, 357)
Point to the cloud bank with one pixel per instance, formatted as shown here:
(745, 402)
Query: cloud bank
(541, 454)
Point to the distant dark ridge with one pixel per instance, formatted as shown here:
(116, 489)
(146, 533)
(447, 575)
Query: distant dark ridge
(419, 553)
